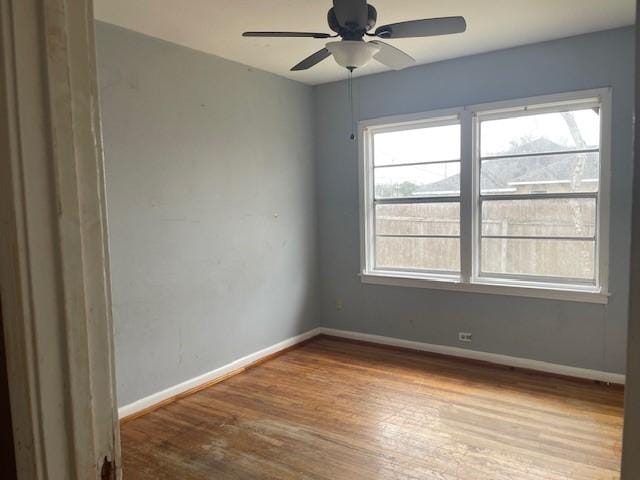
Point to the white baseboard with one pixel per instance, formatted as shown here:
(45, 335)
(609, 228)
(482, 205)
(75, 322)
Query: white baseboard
(156, 398)
(496, 358)
(171, 392)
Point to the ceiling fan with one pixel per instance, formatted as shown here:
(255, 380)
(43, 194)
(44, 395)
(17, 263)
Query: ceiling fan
(352, 20)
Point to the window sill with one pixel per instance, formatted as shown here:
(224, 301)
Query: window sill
(487, 286)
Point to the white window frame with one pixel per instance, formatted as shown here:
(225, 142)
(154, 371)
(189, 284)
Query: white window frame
(469, 279)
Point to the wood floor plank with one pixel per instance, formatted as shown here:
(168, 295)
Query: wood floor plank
(334, 410)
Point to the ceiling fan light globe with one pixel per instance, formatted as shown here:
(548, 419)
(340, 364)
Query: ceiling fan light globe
(352, 54)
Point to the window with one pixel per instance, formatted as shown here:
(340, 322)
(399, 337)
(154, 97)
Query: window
(416, 201)
(505, 198)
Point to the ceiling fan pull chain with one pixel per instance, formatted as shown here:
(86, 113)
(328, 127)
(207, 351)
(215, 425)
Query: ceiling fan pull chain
(350, 87)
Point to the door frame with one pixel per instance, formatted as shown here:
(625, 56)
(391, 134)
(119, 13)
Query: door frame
(54, 257)
(631, 440)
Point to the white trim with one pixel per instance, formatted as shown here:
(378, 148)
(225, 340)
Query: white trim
(600, 97)
(412, 120)
(540, 103)
(549, 182)
(513, 289)
(467, 196)
(604, 190)
(54, 275)
(495, 358)
(366, 131)
(161, 396)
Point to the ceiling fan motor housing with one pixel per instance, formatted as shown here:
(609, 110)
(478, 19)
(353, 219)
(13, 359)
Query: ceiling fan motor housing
(354, 32)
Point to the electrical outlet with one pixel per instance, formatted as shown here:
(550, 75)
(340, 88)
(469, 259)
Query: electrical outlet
(338, 304)
(464, 336)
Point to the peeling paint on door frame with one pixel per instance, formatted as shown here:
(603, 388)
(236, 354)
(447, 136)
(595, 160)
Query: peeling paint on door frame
(54, 259)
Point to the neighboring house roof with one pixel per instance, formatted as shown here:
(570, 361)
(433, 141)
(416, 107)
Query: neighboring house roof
(504, 174)
(562, 168)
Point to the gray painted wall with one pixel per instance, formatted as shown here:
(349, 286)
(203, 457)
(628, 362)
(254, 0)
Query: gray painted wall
(583, 335)
(214, 226)
(211, 204)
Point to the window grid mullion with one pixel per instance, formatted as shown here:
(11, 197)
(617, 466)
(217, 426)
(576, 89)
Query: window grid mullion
(416, 164)
(538, 196)
(540, 237)
(403, 235)
(416, 200)
(540, 154)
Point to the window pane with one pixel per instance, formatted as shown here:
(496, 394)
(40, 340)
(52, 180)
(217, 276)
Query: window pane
(541, 218)
(418, 219)
(573, 172)
(556, 258)
(442, 254)
(549, 132)
(430, 144)
(418, 180)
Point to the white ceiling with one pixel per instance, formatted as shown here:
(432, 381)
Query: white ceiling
(215, 26)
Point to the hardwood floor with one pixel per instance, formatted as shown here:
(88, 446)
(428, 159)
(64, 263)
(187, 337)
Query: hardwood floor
(337, 410)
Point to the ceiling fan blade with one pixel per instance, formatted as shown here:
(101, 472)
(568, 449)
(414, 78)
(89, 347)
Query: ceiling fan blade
(423, 28)
(351, 14)
(286, 34)
(392, 57)
(312, 60)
